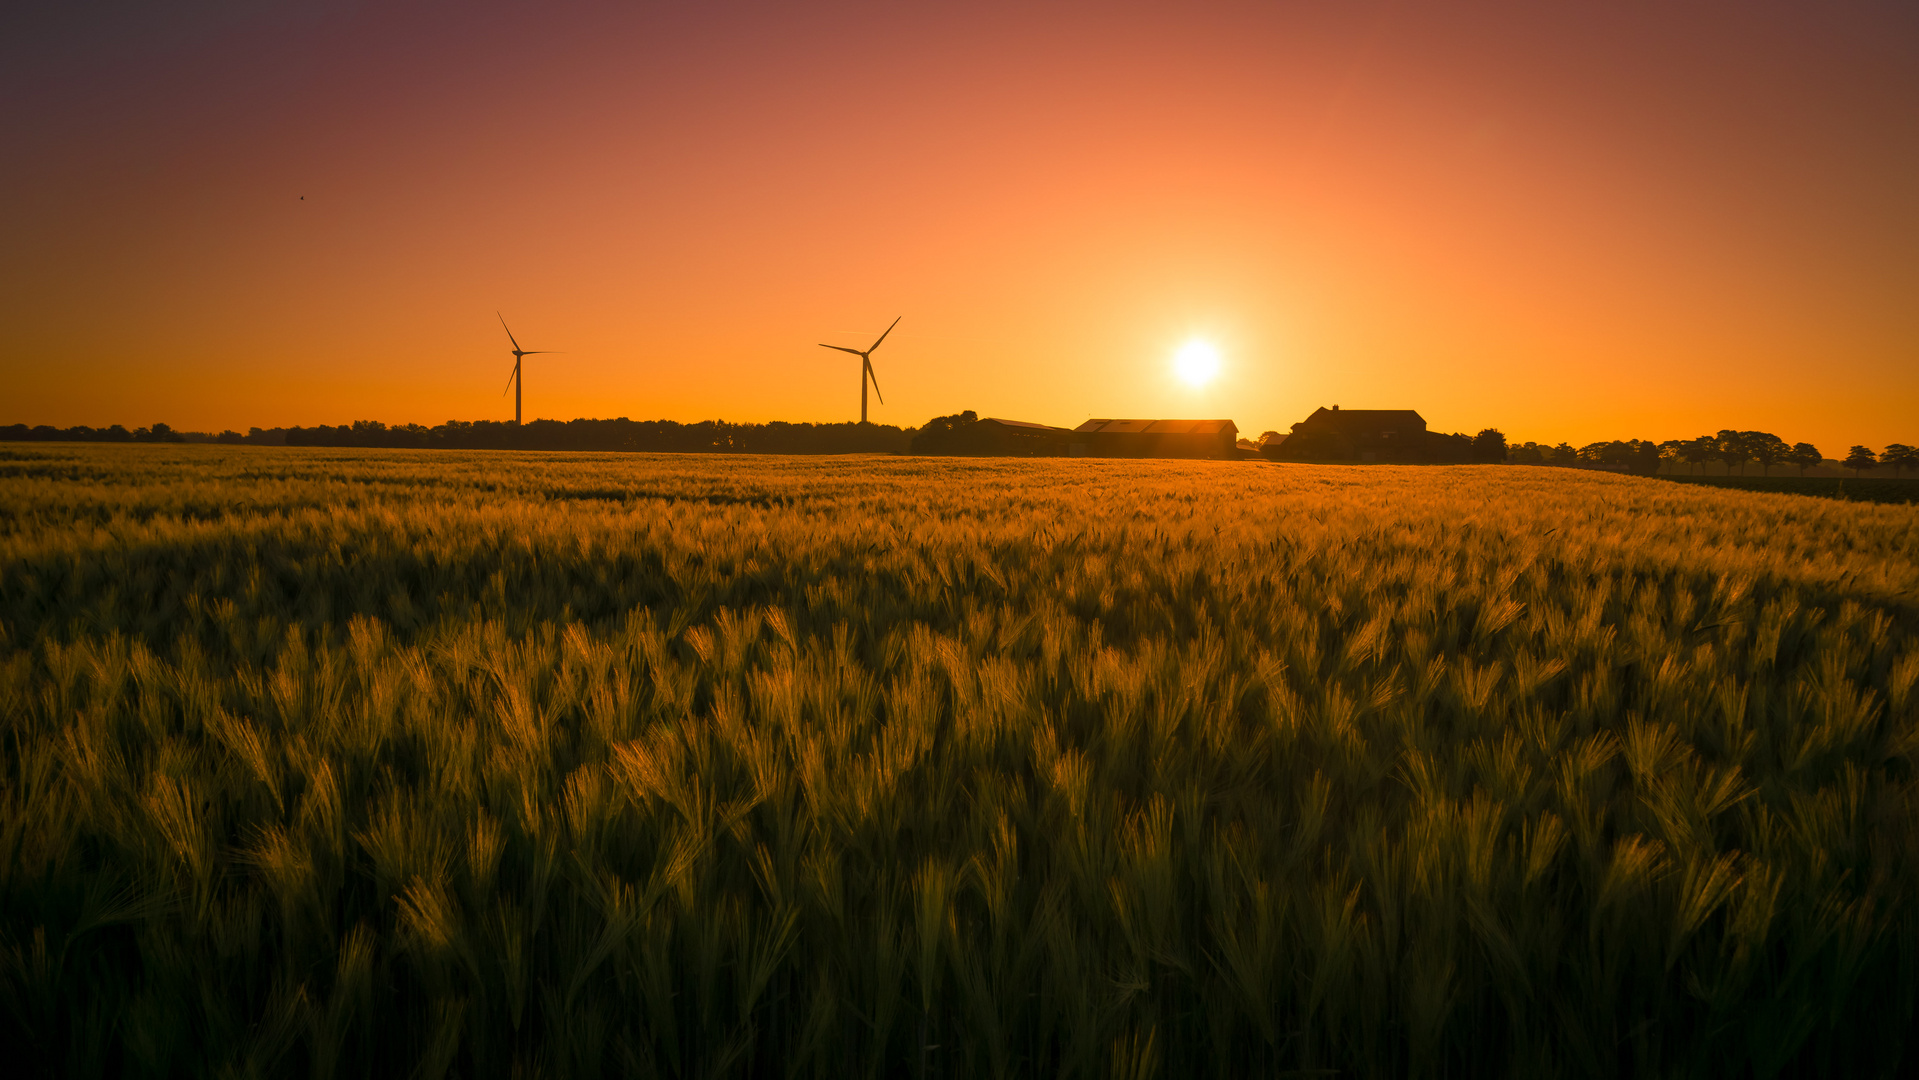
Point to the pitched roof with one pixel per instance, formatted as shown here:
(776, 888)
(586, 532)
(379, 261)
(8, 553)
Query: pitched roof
(1192, 427)
(1023, 425)
(1114, 426)
(1157, 427)
(1369, 416)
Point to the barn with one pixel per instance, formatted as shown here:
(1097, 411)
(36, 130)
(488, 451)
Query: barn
(1155, 438)
(992, 436)
(1016, 438)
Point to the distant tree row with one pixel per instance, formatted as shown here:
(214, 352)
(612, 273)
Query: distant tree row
(1898, 455)
(116, 433)
(621, 435)
(1733, 449)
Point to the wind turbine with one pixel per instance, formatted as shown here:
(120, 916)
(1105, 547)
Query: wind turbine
(866, 367)
(514, 380)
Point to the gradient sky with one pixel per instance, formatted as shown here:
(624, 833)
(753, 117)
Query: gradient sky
(1568, 221)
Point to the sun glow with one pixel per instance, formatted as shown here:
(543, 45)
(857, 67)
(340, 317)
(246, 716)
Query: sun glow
(1197, 363)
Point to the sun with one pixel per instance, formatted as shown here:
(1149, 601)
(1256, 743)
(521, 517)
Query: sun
(1196, 362)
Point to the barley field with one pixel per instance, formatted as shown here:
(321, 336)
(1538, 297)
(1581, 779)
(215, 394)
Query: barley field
(385, 763)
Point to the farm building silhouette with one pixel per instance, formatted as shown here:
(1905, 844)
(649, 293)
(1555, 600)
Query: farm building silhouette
(991, 436)
(1155, 438)
(1355, 435)
(966, 433)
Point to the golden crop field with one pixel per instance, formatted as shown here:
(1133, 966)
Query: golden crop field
(336, 763)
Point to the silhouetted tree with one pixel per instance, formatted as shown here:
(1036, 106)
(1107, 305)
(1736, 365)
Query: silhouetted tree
(156, 433)
(1697, 452)
(1613, 452)
(1673, 450)
(944, 434)
(230, 436)
(1901, 457)
(1860, 458)
(1765, 448)
(1564, 454)
(1527, 454)
(1805, 455)
(1645, 456)
(1730, 447)
(1490, 446)
(1455, 448)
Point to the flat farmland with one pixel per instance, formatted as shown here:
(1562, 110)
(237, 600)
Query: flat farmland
(326, 763)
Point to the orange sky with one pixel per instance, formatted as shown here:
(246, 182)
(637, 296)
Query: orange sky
(1617, 220)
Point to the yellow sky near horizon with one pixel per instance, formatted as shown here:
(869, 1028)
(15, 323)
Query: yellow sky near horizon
(1571, 225)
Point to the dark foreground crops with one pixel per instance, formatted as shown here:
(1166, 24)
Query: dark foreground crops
(326, 764)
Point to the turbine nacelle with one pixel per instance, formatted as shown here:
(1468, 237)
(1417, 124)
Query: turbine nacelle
(866, 366)
(514, 380)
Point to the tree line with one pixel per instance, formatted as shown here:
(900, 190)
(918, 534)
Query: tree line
(1734, 449)
(620, 435)
(116, 433)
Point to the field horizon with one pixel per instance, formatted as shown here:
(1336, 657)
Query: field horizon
(380, 762)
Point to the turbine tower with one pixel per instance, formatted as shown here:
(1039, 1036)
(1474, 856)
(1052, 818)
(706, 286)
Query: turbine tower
(514, 379)
(866, 367)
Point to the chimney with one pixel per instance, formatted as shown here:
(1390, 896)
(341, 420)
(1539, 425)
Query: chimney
(1335, 408)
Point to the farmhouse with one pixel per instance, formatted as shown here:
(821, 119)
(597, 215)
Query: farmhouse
(1155, 438)
(1354, 435)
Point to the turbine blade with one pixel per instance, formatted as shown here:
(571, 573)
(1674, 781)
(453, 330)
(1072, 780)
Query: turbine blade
(843, 348)
(889, 330)
(509, 379)
(509, 331)
(875, 378)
